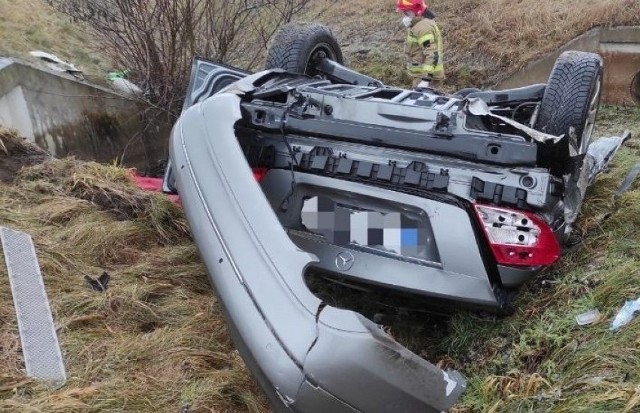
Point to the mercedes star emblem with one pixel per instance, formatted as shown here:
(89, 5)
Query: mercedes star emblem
(345, 260)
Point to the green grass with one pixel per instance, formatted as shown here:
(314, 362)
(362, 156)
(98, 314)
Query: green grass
(539, 359)
(27, 25)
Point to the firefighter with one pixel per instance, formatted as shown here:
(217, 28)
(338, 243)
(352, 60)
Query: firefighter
(423, 46)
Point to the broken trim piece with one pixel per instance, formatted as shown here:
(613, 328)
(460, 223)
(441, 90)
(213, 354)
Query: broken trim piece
(628, 180)
(478, 107)
(599, 154)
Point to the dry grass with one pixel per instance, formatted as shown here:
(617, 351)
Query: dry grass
(16, 152)
(491, 39)
(156, 339)
(27, 25)
(485, 40)
(539, 359)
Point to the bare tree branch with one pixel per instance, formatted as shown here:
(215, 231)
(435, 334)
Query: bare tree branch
(157, 39)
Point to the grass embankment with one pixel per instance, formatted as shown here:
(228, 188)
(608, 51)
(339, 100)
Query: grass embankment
(155, 341)
(485, 40)
(539, 359)
(27, 25)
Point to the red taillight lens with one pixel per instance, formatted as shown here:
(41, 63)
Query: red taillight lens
(259, 173)
(518, 238)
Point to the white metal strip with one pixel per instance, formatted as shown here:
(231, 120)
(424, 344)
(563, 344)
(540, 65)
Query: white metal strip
(40, 346)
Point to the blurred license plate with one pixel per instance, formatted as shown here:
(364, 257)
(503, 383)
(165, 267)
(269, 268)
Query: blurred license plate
(345, 225)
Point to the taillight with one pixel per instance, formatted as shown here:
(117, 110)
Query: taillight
(518, 238)
(259, 173)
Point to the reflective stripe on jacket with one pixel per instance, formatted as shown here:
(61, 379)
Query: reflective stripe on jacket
(424, 50)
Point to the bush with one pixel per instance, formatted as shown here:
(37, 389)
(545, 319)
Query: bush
(156, 40)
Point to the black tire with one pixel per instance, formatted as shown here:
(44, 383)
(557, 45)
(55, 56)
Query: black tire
(569, 107)
(298, 45)
(635, 88)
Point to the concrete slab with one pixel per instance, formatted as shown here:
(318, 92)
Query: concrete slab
(622, 65)
(620, 49)
(70, 117)
(15, 113)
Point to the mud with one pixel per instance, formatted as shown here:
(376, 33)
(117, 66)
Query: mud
(17, 153)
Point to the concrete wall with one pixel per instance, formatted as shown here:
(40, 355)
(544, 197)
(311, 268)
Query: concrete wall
(620, 50)
(70, 117)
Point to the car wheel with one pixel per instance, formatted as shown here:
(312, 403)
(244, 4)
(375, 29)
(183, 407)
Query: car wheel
(569, 107)
(297, 47)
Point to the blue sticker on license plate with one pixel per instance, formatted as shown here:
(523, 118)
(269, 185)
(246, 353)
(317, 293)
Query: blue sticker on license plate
(345, 225)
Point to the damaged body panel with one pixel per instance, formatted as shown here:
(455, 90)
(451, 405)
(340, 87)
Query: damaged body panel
(304, 353)
(286, 176)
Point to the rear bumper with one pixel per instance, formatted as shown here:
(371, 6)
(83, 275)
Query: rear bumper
(456, 271)
(307, 357)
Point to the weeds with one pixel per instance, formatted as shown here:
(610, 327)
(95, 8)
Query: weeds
(484, 41)
(156, 339)
(539, 359)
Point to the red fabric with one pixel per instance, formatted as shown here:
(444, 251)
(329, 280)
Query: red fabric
(259, 173)
(153, 185)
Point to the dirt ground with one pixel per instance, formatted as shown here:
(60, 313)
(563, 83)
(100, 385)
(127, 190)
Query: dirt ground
(16, 153)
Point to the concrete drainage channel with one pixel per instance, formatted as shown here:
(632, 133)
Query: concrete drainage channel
(620, 49)
(70, 117)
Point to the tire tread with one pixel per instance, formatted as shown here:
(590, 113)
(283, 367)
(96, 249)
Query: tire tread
(566, 102)
(294, 41)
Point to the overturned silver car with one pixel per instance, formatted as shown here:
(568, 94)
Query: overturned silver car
(309, 166)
